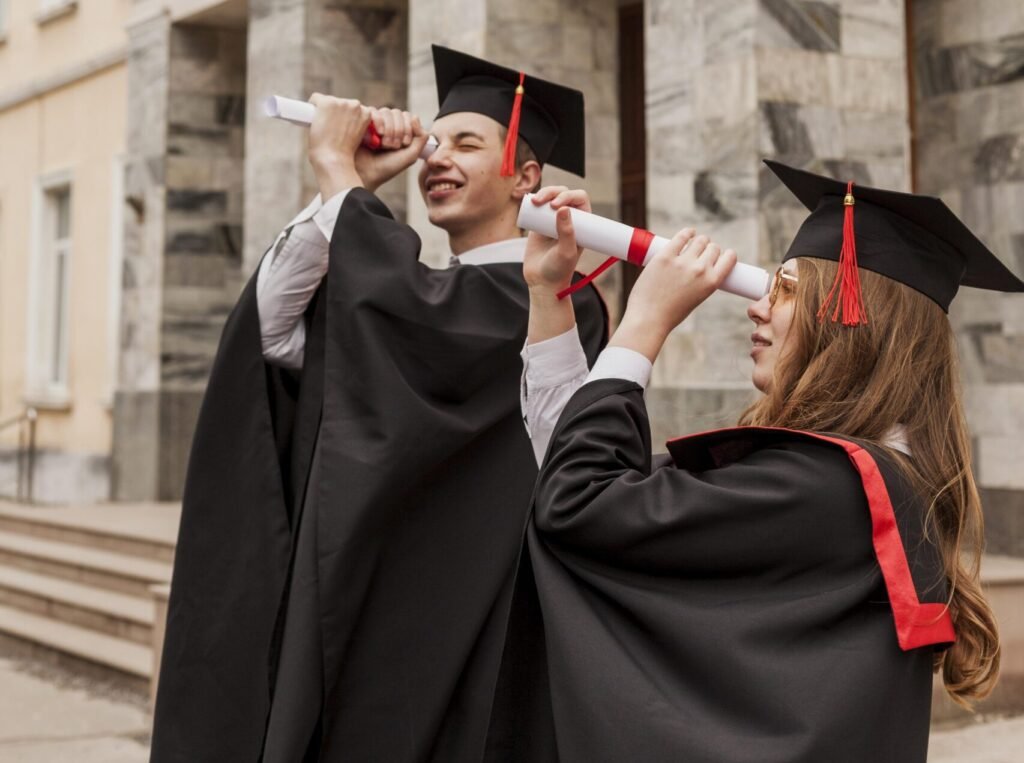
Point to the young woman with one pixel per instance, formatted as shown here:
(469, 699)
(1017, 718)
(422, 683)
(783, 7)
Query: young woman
(783, 590)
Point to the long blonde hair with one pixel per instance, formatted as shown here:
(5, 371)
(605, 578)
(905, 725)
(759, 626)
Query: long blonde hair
(901, 368)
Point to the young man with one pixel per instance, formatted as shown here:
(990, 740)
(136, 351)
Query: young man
(360, 477)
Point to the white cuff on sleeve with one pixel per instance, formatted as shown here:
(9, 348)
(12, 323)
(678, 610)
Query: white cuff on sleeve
(554, 361)
(326, 217)
(621, 363)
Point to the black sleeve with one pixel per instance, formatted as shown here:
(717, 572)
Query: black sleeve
(598, 495)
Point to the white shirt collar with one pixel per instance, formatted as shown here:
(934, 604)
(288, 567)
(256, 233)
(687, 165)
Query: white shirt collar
(510, 250)
(896, 438)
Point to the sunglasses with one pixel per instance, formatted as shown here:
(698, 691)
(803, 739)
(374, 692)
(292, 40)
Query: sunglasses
(781, 281)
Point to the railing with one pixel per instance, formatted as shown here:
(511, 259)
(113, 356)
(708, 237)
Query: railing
(26, 455)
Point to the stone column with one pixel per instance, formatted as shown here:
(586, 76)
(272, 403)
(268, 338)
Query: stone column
(567, 41)
(821, 85)
(970, 151)
(346, 48)
(201, 159)
(135, 457)
(183, 252)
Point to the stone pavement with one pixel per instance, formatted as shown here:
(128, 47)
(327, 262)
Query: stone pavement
(48, 714)
(989, 741)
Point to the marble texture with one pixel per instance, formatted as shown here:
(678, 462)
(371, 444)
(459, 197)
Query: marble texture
(969, 104)
(816, 84)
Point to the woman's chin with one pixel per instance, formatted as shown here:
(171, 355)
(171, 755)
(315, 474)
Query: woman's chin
(759, 380)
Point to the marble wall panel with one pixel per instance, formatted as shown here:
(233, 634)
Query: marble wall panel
(969, 102)
(276, 181)
(203, 258)
(816, 84)
(799, 24)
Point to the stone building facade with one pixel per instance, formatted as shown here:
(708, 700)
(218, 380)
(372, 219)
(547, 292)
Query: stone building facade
(909, 94)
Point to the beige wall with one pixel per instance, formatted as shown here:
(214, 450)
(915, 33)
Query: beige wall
(36, 52)
(62, 110)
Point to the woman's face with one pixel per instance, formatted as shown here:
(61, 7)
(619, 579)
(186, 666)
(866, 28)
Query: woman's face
(772, 323)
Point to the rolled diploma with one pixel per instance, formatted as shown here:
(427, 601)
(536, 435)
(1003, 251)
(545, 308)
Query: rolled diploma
(302, 113)
(613, 239)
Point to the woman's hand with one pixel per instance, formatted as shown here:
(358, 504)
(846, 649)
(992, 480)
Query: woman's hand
(677, 279)
(549, 263)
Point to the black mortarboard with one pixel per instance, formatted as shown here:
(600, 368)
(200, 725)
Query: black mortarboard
(913, 239)
(549, 117)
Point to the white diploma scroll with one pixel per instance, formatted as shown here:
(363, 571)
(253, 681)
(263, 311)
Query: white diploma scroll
(613, 239)
(302, 112)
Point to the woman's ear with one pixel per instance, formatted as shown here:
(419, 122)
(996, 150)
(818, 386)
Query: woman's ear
(527, 179)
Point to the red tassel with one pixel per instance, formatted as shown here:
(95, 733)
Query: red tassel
(508, 161)
(573, 288)
(849, 300)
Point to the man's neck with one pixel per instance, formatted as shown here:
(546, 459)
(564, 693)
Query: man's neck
(489, 232)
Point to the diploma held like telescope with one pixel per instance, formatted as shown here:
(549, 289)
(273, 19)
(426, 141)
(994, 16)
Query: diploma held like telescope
(302, 112)
(624, 242)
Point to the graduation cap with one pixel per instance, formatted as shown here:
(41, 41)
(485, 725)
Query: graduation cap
(910, 238)
(547, 116)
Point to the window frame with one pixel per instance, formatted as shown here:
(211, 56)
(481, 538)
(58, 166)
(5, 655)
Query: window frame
(47, 374)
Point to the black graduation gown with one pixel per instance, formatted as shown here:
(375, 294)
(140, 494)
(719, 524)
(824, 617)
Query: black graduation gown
(736, 602)
(409, 398)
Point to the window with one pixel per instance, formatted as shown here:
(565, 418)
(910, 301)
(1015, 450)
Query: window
(49, 303)
(114, 276)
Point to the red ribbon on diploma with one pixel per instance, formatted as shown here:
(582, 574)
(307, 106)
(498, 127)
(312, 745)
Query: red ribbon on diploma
(639, 243)
(372, 139)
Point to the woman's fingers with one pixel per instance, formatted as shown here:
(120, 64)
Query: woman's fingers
(723, 266)
(683, 241)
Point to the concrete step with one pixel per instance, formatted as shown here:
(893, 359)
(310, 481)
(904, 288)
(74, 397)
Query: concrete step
(97, 648)
(102, 569)
(146, 530)
(115, 614)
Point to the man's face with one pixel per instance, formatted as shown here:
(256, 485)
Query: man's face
(461, 182)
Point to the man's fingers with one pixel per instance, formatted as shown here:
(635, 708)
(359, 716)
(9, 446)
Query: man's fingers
(566, 232)
(578, 199)
(386, 128)
(546, 194)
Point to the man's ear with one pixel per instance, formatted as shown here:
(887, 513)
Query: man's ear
(527, 178)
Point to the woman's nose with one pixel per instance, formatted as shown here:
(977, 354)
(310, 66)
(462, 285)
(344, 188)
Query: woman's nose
(760, 312)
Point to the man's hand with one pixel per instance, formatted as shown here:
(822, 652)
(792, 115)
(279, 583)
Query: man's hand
(334, 138)
(549, 264)
(336, 149)
(402, 140)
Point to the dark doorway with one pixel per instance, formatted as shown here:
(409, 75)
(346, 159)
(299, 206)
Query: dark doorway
(633, 131)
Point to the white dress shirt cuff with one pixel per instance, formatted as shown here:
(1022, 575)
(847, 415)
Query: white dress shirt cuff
(554, 361)
(326, 217)
(621, 363)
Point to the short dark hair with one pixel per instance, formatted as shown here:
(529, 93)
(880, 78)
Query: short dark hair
(524, 154)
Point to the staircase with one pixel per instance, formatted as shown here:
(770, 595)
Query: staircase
(78, 581)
